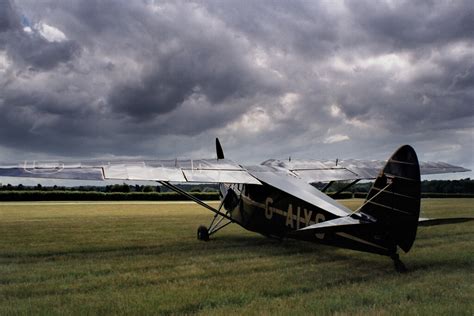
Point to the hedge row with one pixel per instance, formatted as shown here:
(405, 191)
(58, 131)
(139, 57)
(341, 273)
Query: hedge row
(363, 195)
(100, 196)
(156, 196)
(446, 195)
(341, 196)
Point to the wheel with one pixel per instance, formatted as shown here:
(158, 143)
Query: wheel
(203, 233)
(400, 267)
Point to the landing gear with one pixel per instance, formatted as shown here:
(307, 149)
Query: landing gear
(220, 220)
(203, 233)
(399, 266)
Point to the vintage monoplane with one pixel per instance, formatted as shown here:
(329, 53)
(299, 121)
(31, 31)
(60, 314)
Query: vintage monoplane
(276, 198)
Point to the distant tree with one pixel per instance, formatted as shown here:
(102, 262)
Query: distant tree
(125, 188)
(148, 188)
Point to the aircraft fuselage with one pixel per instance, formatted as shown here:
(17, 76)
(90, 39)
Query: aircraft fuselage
(274, 213)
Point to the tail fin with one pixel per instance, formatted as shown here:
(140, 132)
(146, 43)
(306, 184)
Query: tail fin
(394, 199)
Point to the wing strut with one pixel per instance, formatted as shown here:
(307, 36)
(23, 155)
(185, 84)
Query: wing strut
(335, 195)
(217, 222)
(370, 200)
(195, 199)
(327, 186)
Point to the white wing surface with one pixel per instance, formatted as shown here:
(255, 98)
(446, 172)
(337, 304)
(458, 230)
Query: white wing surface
(350, 169)
(208, 170)
(287, 182)
(203, 170)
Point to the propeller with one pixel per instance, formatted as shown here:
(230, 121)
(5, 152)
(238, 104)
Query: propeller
(219, 151)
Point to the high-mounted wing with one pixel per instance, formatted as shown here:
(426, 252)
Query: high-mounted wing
(202, 171)
(288, 183)
(52, 170)
(350, 169)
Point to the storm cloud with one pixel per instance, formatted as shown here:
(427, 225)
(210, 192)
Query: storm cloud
(349, 79)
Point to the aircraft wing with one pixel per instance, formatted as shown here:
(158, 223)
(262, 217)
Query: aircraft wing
(201, 171)
(287, 182)
(350, 169)
(207, 170)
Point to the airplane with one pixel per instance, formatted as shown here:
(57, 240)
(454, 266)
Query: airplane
(277, 198)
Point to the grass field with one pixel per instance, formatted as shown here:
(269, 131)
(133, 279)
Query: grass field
(143, 258)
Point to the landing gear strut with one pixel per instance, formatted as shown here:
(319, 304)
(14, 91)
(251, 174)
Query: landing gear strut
(220, 219)
(218, 222)
(399, 266)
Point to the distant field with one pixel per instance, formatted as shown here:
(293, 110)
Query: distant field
(143, 258)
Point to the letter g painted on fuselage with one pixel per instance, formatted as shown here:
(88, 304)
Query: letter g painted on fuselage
(320, 218)
(268, 208)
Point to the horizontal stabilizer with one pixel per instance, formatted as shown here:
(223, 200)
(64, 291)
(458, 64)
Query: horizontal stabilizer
(443, 221)
(334, 225)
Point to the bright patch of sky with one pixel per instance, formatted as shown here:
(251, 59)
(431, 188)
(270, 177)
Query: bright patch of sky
(50, 33)
(26, 24)
(4, 62)
(335, 139)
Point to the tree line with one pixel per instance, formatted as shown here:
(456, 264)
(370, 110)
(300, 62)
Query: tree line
(427, 186)
(113, 188)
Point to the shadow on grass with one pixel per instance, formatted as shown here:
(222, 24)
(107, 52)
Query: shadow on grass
(442, 264)
(51, 255)
(218, 249)
(327, 267)
(224, 248)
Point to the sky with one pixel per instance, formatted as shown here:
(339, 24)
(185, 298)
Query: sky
(271, 79)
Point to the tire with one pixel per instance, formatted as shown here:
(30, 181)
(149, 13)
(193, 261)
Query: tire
(202, 233)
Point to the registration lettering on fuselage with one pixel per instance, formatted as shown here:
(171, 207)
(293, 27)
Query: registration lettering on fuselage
(296, 217)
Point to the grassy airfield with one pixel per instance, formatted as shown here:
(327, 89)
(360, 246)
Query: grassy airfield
(143, 258)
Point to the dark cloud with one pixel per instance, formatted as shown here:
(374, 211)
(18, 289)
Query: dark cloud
(207, 69)
(39, 53)
(29, 48)
(163, 78)
(405, 25)
(8, 20)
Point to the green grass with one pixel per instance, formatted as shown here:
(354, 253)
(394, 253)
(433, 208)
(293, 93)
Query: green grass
(143, 258)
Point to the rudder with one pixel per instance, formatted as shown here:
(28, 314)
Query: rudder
(394, 199)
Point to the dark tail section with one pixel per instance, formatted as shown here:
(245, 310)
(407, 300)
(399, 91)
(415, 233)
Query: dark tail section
(394, 200)
(219, 151)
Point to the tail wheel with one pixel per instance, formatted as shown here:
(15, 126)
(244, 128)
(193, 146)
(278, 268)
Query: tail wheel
(399, 266)
(203, 233)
